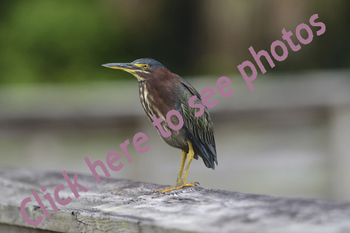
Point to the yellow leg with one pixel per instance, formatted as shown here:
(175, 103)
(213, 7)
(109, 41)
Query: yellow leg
(181, 179)
(188, 164)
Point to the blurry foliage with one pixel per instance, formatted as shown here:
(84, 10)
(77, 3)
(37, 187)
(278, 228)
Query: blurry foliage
(67, 41)
(54, 41)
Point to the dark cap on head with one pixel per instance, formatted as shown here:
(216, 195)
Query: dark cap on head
(151, 62)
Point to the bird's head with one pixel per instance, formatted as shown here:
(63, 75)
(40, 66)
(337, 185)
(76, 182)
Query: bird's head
(142, 69)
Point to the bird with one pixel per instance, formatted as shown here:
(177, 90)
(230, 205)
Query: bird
(161, 91)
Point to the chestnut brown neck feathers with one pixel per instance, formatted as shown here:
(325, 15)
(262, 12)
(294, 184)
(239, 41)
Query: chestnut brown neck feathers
(157, 92)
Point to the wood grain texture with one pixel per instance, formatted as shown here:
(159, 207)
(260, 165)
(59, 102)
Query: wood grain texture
(120, 205)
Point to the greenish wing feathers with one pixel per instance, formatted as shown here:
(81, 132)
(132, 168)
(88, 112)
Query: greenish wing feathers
(199, 129)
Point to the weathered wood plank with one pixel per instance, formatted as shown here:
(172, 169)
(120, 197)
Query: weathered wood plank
(18, 229)
(119, 205)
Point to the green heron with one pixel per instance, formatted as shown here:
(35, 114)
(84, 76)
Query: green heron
(162, 91)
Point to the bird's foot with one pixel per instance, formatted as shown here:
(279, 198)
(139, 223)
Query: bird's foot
(176, 187)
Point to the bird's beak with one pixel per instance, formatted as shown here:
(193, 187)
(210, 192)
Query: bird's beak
(128, 67)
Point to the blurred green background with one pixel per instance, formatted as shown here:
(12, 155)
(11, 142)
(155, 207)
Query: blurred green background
(66, 41)
(290, 136)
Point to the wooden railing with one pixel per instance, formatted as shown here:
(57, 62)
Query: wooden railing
(120, 205)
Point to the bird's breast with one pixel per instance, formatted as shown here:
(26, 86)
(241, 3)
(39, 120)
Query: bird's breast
(155, 102)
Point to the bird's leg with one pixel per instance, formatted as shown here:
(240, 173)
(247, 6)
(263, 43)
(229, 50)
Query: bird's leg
(190, 156)
(182, 178)
(179, 177)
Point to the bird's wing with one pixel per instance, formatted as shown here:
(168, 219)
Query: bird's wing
(199, 129)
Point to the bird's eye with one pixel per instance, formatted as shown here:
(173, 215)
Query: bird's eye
(145, 66)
